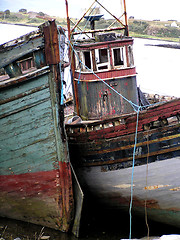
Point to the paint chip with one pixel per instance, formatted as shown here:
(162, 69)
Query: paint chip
(123, 186)
(155, 187)
(175, 189)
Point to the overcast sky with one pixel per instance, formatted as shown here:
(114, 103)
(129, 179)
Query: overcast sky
(140, 9)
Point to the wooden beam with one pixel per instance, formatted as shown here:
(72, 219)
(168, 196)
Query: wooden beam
(21, 50)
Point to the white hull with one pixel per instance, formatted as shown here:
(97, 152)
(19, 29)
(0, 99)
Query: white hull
(157, 184)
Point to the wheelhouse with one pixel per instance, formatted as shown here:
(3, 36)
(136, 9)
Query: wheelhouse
(104, 56)
(104, 71)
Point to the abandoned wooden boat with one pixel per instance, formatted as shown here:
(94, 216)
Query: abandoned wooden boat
(35, 173)
(123, 149)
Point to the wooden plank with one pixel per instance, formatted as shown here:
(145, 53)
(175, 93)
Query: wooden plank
(12, 55)
(24, 77)
(51, 44)
(35, 141)
(30, 85)
(27, 131)
(35, 174)
(20, 104)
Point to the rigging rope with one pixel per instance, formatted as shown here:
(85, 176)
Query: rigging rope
(146, 220)
(132, 175)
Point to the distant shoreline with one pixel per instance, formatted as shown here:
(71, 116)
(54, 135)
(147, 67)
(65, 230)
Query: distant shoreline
(19, 24)
(168, 45)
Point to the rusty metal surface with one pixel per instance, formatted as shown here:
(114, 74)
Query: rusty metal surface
(97, 94)
(98, 101)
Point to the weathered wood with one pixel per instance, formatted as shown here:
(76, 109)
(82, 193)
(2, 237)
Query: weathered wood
(51, 45)
(25, 77)
(25, 48)
(35, 174)
(102, 154)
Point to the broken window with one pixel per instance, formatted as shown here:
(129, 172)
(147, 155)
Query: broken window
(77, 60)
(103, 55)
(87, 59)
(118, 54)
(130, 55)
(102, 59)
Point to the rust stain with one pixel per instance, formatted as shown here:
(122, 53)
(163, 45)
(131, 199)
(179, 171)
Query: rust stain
(175, 189)
(155, 187)
(137, 202)
(51, 44)
(150, 203)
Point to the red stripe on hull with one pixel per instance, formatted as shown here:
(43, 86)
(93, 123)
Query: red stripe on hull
(43, 198)
(30, 184)
(106, 74)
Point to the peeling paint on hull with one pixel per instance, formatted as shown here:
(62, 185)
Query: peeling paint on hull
(105, 153)
(36, 198)
(35, 172)
(113, 189)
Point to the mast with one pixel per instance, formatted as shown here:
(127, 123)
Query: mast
(126, 20)
(71, 59)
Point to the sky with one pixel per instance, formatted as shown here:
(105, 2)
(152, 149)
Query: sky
(140, 9)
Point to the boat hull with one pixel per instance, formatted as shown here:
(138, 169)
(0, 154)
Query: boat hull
(35, 172)
(36, 198)
(155, 189)
(35, 182)
(111, 167)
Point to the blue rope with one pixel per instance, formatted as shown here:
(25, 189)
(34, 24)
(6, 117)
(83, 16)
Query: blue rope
(79, 74)
(132, 176)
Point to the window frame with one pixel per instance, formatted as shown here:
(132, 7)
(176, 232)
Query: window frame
(102, 66)
(123, 52)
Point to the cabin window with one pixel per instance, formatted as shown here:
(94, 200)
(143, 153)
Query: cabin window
(118, 54)
(103, 55)
(77, 60)
(102, 58)
(87, 59)
(130, 55)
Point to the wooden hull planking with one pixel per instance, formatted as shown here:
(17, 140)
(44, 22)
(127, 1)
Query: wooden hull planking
(35, 173)
(105, 160)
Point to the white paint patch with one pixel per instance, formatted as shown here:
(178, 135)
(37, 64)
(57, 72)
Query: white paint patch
(124, 186)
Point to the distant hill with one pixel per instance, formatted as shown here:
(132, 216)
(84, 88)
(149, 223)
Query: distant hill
(169, 30)
(27, 18)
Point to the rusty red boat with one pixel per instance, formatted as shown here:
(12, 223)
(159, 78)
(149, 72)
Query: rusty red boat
(124, 149)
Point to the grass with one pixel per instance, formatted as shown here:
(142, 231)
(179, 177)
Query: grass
(161, 30)
(138, 35)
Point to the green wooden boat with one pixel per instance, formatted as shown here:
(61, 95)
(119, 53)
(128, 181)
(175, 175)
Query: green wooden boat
(35, 172)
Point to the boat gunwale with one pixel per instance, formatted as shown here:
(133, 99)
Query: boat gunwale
(24, 77)
(128, 116)
(81, 45)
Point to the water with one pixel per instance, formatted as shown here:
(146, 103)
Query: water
(158, 68)
(97, 223)
(11, 32)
